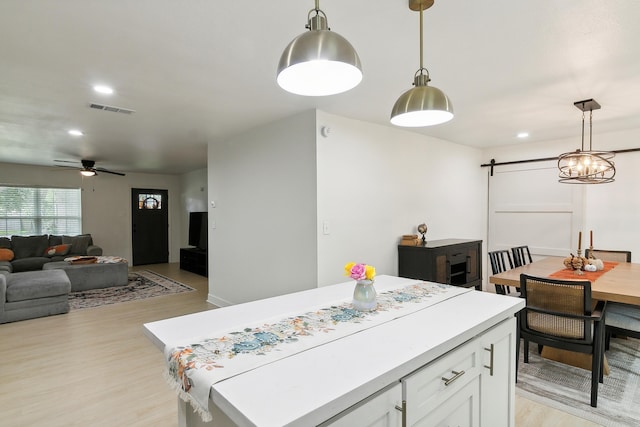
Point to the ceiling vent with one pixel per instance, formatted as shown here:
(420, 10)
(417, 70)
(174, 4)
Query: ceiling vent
(111, 108)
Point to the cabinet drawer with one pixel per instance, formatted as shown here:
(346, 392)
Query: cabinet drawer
(378, 410)
(429, 387)
(458, 255)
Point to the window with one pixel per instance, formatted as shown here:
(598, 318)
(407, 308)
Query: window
(150, 201)
(28, 211)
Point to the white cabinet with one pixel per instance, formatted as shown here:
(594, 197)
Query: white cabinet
(471, 385)
(498, 381)
(381, 410)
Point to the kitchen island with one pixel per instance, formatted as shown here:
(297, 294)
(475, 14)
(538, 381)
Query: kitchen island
(451, 358)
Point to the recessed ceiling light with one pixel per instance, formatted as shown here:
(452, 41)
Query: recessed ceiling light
(75, 132)
(103, 89)
(523, 135)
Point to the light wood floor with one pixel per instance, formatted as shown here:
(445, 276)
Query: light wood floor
(95, 367)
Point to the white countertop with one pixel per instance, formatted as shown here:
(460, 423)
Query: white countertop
(310, 387)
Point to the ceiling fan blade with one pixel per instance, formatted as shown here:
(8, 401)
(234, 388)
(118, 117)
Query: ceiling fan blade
(108, 171)
(67, 161)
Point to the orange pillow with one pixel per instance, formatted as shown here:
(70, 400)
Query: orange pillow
(57, 250)
(6, 254)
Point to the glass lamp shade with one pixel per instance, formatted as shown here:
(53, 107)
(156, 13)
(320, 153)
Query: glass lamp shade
(319, 63)
(422, 106)
(87, 172)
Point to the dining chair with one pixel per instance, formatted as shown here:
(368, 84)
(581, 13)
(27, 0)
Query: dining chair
(521, 256)
(499, 260)
(622, 319)
(558, 313)
(607, 255)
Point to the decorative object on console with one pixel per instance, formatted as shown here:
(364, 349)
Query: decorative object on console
(587, 167)
(410, 240)
(364, 294)
(422, 229)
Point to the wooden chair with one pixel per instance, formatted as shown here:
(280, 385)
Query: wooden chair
(499, 265)
(606, 255)
(622, 319)
(558, 314)
(521, 256)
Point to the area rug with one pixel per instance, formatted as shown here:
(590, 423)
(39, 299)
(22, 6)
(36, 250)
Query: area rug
(569, 389)
(142, 284)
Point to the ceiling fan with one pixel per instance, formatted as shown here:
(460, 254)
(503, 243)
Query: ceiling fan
(88, 167)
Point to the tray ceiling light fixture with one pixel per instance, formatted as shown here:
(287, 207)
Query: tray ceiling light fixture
(423, 105)
(586, 167)
(319, 62)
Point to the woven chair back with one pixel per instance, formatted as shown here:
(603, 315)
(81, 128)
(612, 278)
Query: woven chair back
(557, 307)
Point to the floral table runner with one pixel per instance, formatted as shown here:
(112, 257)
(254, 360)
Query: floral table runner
(193, 368)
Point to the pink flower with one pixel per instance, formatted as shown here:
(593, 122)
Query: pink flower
(358, 272)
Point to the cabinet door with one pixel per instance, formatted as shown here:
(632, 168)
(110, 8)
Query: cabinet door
(473, 263)
(445, 389)
(461, 410)
(498, 375)
(378, 411)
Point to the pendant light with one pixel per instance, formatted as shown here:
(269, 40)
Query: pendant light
(423, 105)
(319, 62)
(587, 167)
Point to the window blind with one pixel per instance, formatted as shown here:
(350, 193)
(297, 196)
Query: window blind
(37, 210)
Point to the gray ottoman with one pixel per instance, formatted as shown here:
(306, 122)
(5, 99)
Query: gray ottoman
(33, 294)
(92, 276)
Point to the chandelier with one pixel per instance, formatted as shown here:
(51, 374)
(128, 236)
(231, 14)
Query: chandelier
(586, 167)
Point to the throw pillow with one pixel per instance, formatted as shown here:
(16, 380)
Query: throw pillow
(79, 244)
(57, 250)
(6, 254)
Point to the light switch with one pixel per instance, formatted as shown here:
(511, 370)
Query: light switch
(325, 227)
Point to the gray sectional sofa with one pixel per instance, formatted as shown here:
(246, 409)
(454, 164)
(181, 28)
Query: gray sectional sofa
(32, 252)
(29, 290)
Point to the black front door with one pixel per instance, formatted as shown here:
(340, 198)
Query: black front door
(149, 226)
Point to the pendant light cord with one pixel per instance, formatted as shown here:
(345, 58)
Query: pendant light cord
(583, 130)
(590, 129)
(421, 38)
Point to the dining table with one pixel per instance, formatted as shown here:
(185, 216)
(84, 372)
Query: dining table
(621, 283)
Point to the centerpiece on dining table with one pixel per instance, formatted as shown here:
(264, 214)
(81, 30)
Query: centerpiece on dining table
(580, 263)
(364, 294)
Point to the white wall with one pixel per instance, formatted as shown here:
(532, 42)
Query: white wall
(193, 198)
(376, 183)
(610, 210)
(106, 202)
(263, 183)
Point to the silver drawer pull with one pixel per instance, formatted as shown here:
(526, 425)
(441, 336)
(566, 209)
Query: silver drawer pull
(490, 367)
(456, 375)
(403, 409)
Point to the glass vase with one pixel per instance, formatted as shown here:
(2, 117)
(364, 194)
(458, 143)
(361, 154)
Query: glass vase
(364, 296)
